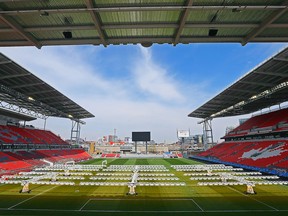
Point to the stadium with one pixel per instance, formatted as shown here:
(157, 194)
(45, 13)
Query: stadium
(42, 174)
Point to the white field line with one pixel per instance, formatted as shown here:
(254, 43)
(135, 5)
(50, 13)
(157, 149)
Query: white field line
(134, 200)
(197, 204)
(32, 197)
(134, 211)
(84, 204)
(139, 200)
(254, 199)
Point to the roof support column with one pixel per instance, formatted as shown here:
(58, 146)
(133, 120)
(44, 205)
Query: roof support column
(75, 132)
(207, 133)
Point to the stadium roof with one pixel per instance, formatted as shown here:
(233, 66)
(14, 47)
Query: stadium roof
(264, 86)
(20, 88)
(14, 115)
(62, 22)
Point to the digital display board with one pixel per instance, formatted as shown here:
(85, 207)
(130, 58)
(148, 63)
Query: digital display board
(141, 136)
(183, 133)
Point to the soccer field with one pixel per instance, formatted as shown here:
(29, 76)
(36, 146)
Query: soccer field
(155, 200)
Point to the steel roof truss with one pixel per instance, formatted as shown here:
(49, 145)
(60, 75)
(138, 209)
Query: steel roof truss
(272, 73)
(281, 59)
(17, 109)
(12, 76)
(258, 83)
(19, 29)
(243, 90)
(270, 19)
(182, 22)
(5, 62)
(26, 85)
(41, 92)
(96, 21)
(142, 8)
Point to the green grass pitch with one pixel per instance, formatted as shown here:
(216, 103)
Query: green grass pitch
(179, 200)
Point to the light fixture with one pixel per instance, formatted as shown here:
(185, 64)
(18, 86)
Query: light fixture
(31, 99)
(67, 34)
(44, 13)
(212, 32)
(70, 116)
(236, 10)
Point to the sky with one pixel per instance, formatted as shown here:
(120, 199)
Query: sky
(132, 88)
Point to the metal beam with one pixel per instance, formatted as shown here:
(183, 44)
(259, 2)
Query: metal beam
(139, 25)
(13, 76)
(26, 85)
(19, 29)
(257, 83)
(134, 40)
(97, 23)
(270, 19)
(182, 22)
(35, 104)
(243, 90)
(143, 26)
(52, 97)
(141, 8)
(40, 92)
(272, 73)
(58, 28)
(235, 97)
(57, 102)
(5, 62)
(281, 59)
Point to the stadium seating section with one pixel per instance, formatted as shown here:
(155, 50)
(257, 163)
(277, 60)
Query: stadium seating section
(13, 162)
(19, 135)
(266, 123)
(16, 161)
(265, 155)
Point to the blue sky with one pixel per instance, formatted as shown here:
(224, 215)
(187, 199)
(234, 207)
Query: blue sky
(131, 88)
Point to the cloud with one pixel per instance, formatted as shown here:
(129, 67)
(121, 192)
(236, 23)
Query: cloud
(153, 79)
(76, 74)
(140, 93)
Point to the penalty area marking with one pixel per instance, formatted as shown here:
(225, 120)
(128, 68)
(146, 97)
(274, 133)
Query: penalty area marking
(85, 204)
(197, 204)
(275, 209)
(95, 199)
(32, 197)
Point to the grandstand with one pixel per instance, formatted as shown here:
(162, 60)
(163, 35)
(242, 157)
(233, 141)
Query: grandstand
(24, 97)
(261, 142)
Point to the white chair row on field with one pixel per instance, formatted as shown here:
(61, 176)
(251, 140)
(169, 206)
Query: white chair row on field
(126, 184)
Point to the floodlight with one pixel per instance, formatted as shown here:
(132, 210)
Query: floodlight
(31, 99)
